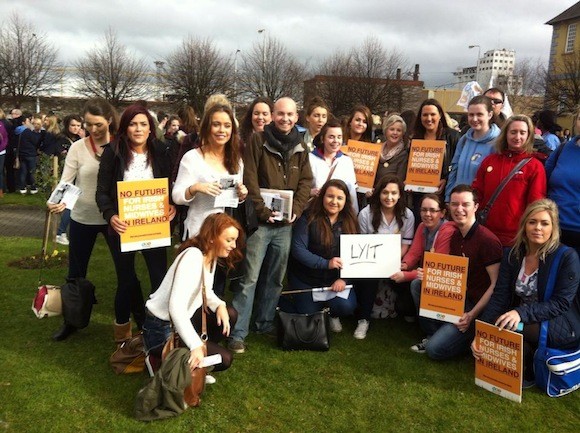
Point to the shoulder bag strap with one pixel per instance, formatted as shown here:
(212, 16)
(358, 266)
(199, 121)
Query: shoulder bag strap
(548, 293)
(331, 172)
(172, 282)
(204, 336)
(504, 182)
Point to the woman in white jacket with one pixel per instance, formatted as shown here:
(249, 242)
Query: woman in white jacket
(328, 162)
(178, 300)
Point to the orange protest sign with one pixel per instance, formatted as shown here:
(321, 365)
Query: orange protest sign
(425, 165)
(443, 287)
(365, 157)
(144, 206)
(500, 369)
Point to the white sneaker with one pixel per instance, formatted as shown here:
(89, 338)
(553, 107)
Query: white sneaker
(335, 325)
(34, 191)
(360, 332)
(209, 379)
(420, 347)
(62, 239)
(23, 191)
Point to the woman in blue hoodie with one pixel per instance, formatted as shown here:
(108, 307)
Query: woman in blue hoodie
(475, 145)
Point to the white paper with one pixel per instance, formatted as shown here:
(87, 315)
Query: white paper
(208, 361)
(66, 193)
(370, 256)
(229, 194)
(327, 295)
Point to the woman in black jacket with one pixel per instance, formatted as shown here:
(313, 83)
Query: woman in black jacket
(134, 155)
(431, 124)
(519, 292)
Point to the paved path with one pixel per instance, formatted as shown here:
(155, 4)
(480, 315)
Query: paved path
(25, 221)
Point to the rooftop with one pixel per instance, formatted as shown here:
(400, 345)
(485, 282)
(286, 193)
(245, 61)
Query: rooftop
(571, 13)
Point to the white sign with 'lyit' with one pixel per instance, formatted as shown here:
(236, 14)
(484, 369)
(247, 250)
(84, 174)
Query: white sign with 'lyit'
(370, 255)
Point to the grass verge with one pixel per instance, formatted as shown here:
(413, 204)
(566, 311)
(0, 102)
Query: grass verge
(373, 385)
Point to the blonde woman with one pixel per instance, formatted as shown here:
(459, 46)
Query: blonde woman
(519, 292)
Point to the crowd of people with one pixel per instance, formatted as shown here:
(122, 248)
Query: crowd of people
(508, 198)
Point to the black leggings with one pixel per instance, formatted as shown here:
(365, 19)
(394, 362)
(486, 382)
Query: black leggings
(531, 335)
(214, 334)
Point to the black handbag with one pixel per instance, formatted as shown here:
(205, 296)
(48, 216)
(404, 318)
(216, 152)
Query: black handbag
(304, 331)
(78, 297)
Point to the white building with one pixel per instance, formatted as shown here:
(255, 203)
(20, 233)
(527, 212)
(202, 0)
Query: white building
(494, 69)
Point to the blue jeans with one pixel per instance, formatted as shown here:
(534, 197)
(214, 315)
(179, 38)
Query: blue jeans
(26, 173)
(156, 332)
(64, 222)
(445, 340)
(268, 247)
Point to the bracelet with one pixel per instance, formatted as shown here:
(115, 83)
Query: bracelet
(189, 190)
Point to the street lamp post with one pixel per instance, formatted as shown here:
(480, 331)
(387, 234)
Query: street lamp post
(262, 84)
(478, 57)
(235, 80)
(159, 64)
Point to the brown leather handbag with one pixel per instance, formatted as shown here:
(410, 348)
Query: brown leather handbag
(192, 393)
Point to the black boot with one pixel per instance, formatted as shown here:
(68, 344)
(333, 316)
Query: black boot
(64, 332)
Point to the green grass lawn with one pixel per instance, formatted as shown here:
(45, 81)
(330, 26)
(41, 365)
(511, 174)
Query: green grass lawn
(374, 385)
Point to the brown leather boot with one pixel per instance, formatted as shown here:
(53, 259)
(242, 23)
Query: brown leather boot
(122, 332)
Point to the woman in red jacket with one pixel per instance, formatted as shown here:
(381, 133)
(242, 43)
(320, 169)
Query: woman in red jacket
(514, 144)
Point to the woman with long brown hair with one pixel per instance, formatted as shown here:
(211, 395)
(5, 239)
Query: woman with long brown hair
(81, 167)
(315, 254)
(198, 179)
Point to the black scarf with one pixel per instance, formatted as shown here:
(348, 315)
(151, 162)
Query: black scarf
(283, 143)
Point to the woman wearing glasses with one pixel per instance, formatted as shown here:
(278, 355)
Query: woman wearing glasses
(433, 235)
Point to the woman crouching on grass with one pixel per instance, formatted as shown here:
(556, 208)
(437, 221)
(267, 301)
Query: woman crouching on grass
(315, 254)
(178, 300)
(519, 292)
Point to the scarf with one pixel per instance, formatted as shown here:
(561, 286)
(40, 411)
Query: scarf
(280, 142)
(388, 154)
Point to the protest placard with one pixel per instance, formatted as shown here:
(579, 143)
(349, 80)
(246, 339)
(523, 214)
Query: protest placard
(370, 256)
(443, 287)
(144, 207)
(425, 165)
(365, 157)
(500, 368)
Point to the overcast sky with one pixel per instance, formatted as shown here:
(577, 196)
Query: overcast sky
(433, 33)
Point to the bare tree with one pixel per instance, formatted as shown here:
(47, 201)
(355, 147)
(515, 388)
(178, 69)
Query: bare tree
(197, 70)
(268, 69)
(28, 62)
(337, 70)
(563, 84)
(376, 68)
(365, 75)
(528, 85)
(112, 72)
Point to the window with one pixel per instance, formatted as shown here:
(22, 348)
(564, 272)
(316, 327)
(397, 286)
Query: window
(570, 38)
